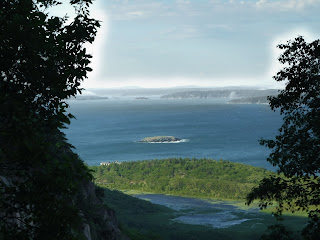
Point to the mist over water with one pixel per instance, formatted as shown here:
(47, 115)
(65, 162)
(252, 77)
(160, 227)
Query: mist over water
(108, 130)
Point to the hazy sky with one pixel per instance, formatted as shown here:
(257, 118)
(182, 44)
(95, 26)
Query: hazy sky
(167, 43)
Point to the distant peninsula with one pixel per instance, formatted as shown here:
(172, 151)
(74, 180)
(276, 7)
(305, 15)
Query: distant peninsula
(160, 139)
(250, 100)
(222, 93)
(141, 98)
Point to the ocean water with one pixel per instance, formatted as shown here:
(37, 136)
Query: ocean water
(108, 130)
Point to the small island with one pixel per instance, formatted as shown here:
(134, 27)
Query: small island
(160, 139)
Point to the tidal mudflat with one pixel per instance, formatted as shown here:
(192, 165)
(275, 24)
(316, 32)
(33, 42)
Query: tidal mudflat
(215, 214)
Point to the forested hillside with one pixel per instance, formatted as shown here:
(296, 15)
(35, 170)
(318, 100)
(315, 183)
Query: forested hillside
(185, 177)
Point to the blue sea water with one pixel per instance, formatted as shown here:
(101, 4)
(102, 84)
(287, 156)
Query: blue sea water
(108, 130)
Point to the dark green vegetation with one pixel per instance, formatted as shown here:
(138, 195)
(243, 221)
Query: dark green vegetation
(185, 177)
(142, 220)
(45, 189)
(296, 149)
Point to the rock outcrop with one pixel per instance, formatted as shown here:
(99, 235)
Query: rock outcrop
(160, 139)
(109, 230)
(99, 221)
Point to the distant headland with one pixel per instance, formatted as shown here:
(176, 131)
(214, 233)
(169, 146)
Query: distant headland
(160, 139)
(141, 98)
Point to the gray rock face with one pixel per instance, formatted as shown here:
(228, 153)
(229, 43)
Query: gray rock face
(108, 216)
(106, 227)
(160, 139)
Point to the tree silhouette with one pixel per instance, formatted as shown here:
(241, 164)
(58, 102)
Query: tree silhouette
(295, 150)
(42, 62)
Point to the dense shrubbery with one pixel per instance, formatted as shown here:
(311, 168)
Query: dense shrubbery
(185, 177)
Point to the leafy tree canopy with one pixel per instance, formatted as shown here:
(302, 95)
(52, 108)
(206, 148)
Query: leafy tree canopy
(295, 150)
(42, 62)
(182, 176)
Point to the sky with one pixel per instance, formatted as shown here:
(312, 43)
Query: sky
(206, 43)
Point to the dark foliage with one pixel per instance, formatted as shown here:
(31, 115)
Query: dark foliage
(42, 62)
(182, 176)
(278, 232)
(295, 151)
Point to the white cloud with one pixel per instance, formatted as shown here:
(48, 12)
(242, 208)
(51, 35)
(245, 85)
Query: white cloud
(183, 5)
(214, 1)
(180, 32)
(183, 2)
(125, 10)
(261, 3)
(220, 26)
(130, 10)
(136, 13)
(285, 5)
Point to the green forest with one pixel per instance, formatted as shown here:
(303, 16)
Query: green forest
(205, 178)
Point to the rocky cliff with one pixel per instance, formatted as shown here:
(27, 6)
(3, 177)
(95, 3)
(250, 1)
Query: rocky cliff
(98, 221)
